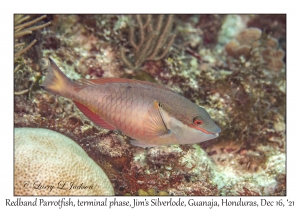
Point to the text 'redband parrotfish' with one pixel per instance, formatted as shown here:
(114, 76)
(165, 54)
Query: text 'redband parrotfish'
(150, 114)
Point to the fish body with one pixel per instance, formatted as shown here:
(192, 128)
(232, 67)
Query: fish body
(150, 114)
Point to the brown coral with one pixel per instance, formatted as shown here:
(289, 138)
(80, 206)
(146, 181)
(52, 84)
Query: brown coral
(271, 23)
(273, 58)
(252, 45)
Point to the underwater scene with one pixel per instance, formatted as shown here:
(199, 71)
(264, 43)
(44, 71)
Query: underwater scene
(179, 105)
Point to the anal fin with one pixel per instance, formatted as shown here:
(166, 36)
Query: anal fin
(160, 141)
(93, 117)
(141, 144)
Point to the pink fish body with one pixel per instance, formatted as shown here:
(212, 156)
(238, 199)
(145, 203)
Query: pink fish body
(150, 114)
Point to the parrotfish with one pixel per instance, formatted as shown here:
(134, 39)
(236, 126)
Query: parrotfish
(150, 114)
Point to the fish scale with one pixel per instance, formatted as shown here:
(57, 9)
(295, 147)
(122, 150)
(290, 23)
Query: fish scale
(150, 114)
(117, 106)
(122, 103)
(125, 109)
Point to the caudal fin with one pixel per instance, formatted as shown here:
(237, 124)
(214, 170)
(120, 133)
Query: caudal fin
(56, 81)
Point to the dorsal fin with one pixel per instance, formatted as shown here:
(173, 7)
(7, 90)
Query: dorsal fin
(84, 82)
(88, 82)
(93, 117)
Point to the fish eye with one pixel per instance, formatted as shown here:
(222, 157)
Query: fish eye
(198, 121)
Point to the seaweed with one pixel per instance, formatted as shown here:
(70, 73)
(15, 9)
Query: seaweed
(151, 42)
(21, 29)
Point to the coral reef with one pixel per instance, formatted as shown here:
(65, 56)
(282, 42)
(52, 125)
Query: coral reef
(210, 26)
(253, 46)
(237, 74)
(152, 42)
(48, 163)
(271, 24)
(22, 28)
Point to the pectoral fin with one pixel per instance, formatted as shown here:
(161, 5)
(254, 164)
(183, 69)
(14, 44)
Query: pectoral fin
(154, 124)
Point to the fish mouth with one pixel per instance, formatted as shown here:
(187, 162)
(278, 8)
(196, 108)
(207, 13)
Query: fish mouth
(217, 131)
(215, 134)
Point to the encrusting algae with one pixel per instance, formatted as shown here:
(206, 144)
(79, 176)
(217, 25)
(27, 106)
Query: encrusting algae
(243, 92)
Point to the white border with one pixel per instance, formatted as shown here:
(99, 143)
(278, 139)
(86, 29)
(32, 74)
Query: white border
(8, 8)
